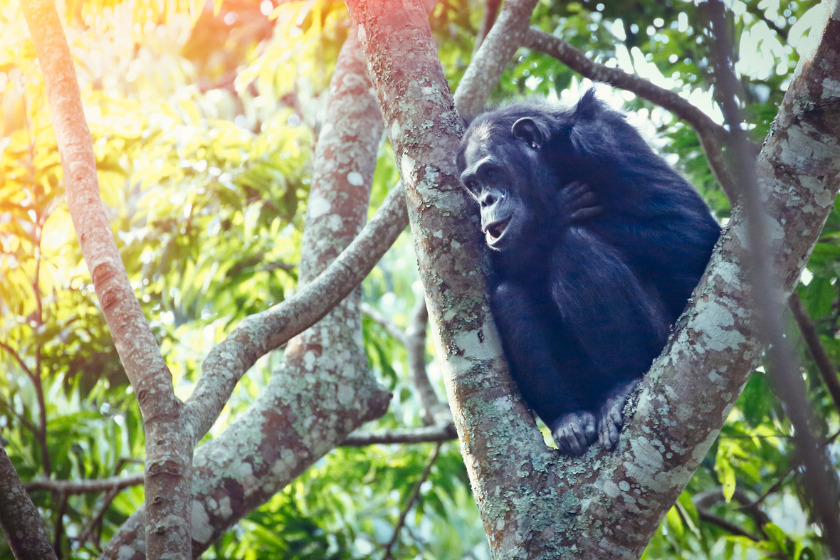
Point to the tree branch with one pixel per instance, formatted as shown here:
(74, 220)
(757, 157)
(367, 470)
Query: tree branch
(169, 446)
(19, 518)
(483, 73)
(819, 479)
(816, 348)
(728, 526)
(712, 136)
(414, 340)
(69, 487)
(491, 10)
(425, 434)
(413, 498)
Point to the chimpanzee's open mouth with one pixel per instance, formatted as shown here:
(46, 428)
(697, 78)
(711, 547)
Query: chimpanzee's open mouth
(496, 229)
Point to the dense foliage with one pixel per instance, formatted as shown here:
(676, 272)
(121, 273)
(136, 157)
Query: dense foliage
(204, 119)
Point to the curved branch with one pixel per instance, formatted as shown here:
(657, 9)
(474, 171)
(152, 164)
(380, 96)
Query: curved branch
(483, 73)
(168, 458)
(263, 332)
(712, 136)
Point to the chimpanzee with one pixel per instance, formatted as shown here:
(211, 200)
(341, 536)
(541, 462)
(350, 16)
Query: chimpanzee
(596, 245)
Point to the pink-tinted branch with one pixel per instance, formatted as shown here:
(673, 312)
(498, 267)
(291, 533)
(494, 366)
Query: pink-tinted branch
(168, 445)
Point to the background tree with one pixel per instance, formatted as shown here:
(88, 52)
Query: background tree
(213, 132)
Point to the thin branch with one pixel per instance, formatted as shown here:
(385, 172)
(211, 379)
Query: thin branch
(26, 422)
(70, 487)
(95, 522)
(816, 348)
(778, 484)
(491, 10)
(711, 135)
(819, 479)
(263, 332)
(386, 323)
(483, 73)
(86, 533)
(425, 434)
(435, 410)
(746, 505)
(414, 495)
(39, 432)
(709, 517)
(41, 436)
(414, 340)
(58, 532)
(18, 359)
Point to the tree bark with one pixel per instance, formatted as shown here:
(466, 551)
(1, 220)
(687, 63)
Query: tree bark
(19, 517)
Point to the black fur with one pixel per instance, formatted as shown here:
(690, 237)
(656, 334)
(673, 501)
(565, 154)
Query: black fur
(596, 246)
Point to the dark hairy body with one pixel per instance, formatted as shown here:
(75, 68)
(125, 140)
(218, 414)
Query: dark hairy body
(596, 245)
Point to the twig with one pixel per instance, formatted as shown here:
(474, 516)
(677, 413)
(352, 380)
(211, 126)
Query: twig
(491, 10)
(414, 495)
(778, 484)
(816, 348)
(87, 533)
(445, 432)
(435, 410)
(749, 507)
(414, 340)
(386, 323)
(69, 487)
(709, 517)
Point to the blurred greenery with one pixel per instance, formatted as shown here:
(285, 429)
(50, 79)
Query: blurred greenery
(204, 117)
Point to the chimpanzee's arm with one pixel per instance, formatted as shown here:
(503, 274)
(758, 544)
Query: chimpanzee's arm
(620, 324)
(541, 355)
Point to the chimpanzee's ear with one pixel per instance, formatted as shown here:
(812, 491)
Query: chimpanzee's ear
(588, 107)
(532, 131)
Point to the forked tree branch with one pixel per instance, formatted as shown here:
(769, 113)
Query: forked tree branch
(169, 444)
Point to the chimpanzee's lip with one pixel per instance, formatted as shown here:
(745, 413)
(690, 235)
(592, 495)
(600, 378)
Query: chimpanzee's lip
(496, 230)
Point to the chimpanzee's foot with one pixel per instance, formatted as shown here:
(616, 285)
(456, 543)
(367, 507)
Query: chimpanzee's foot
(574, 432)
(611, 416)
